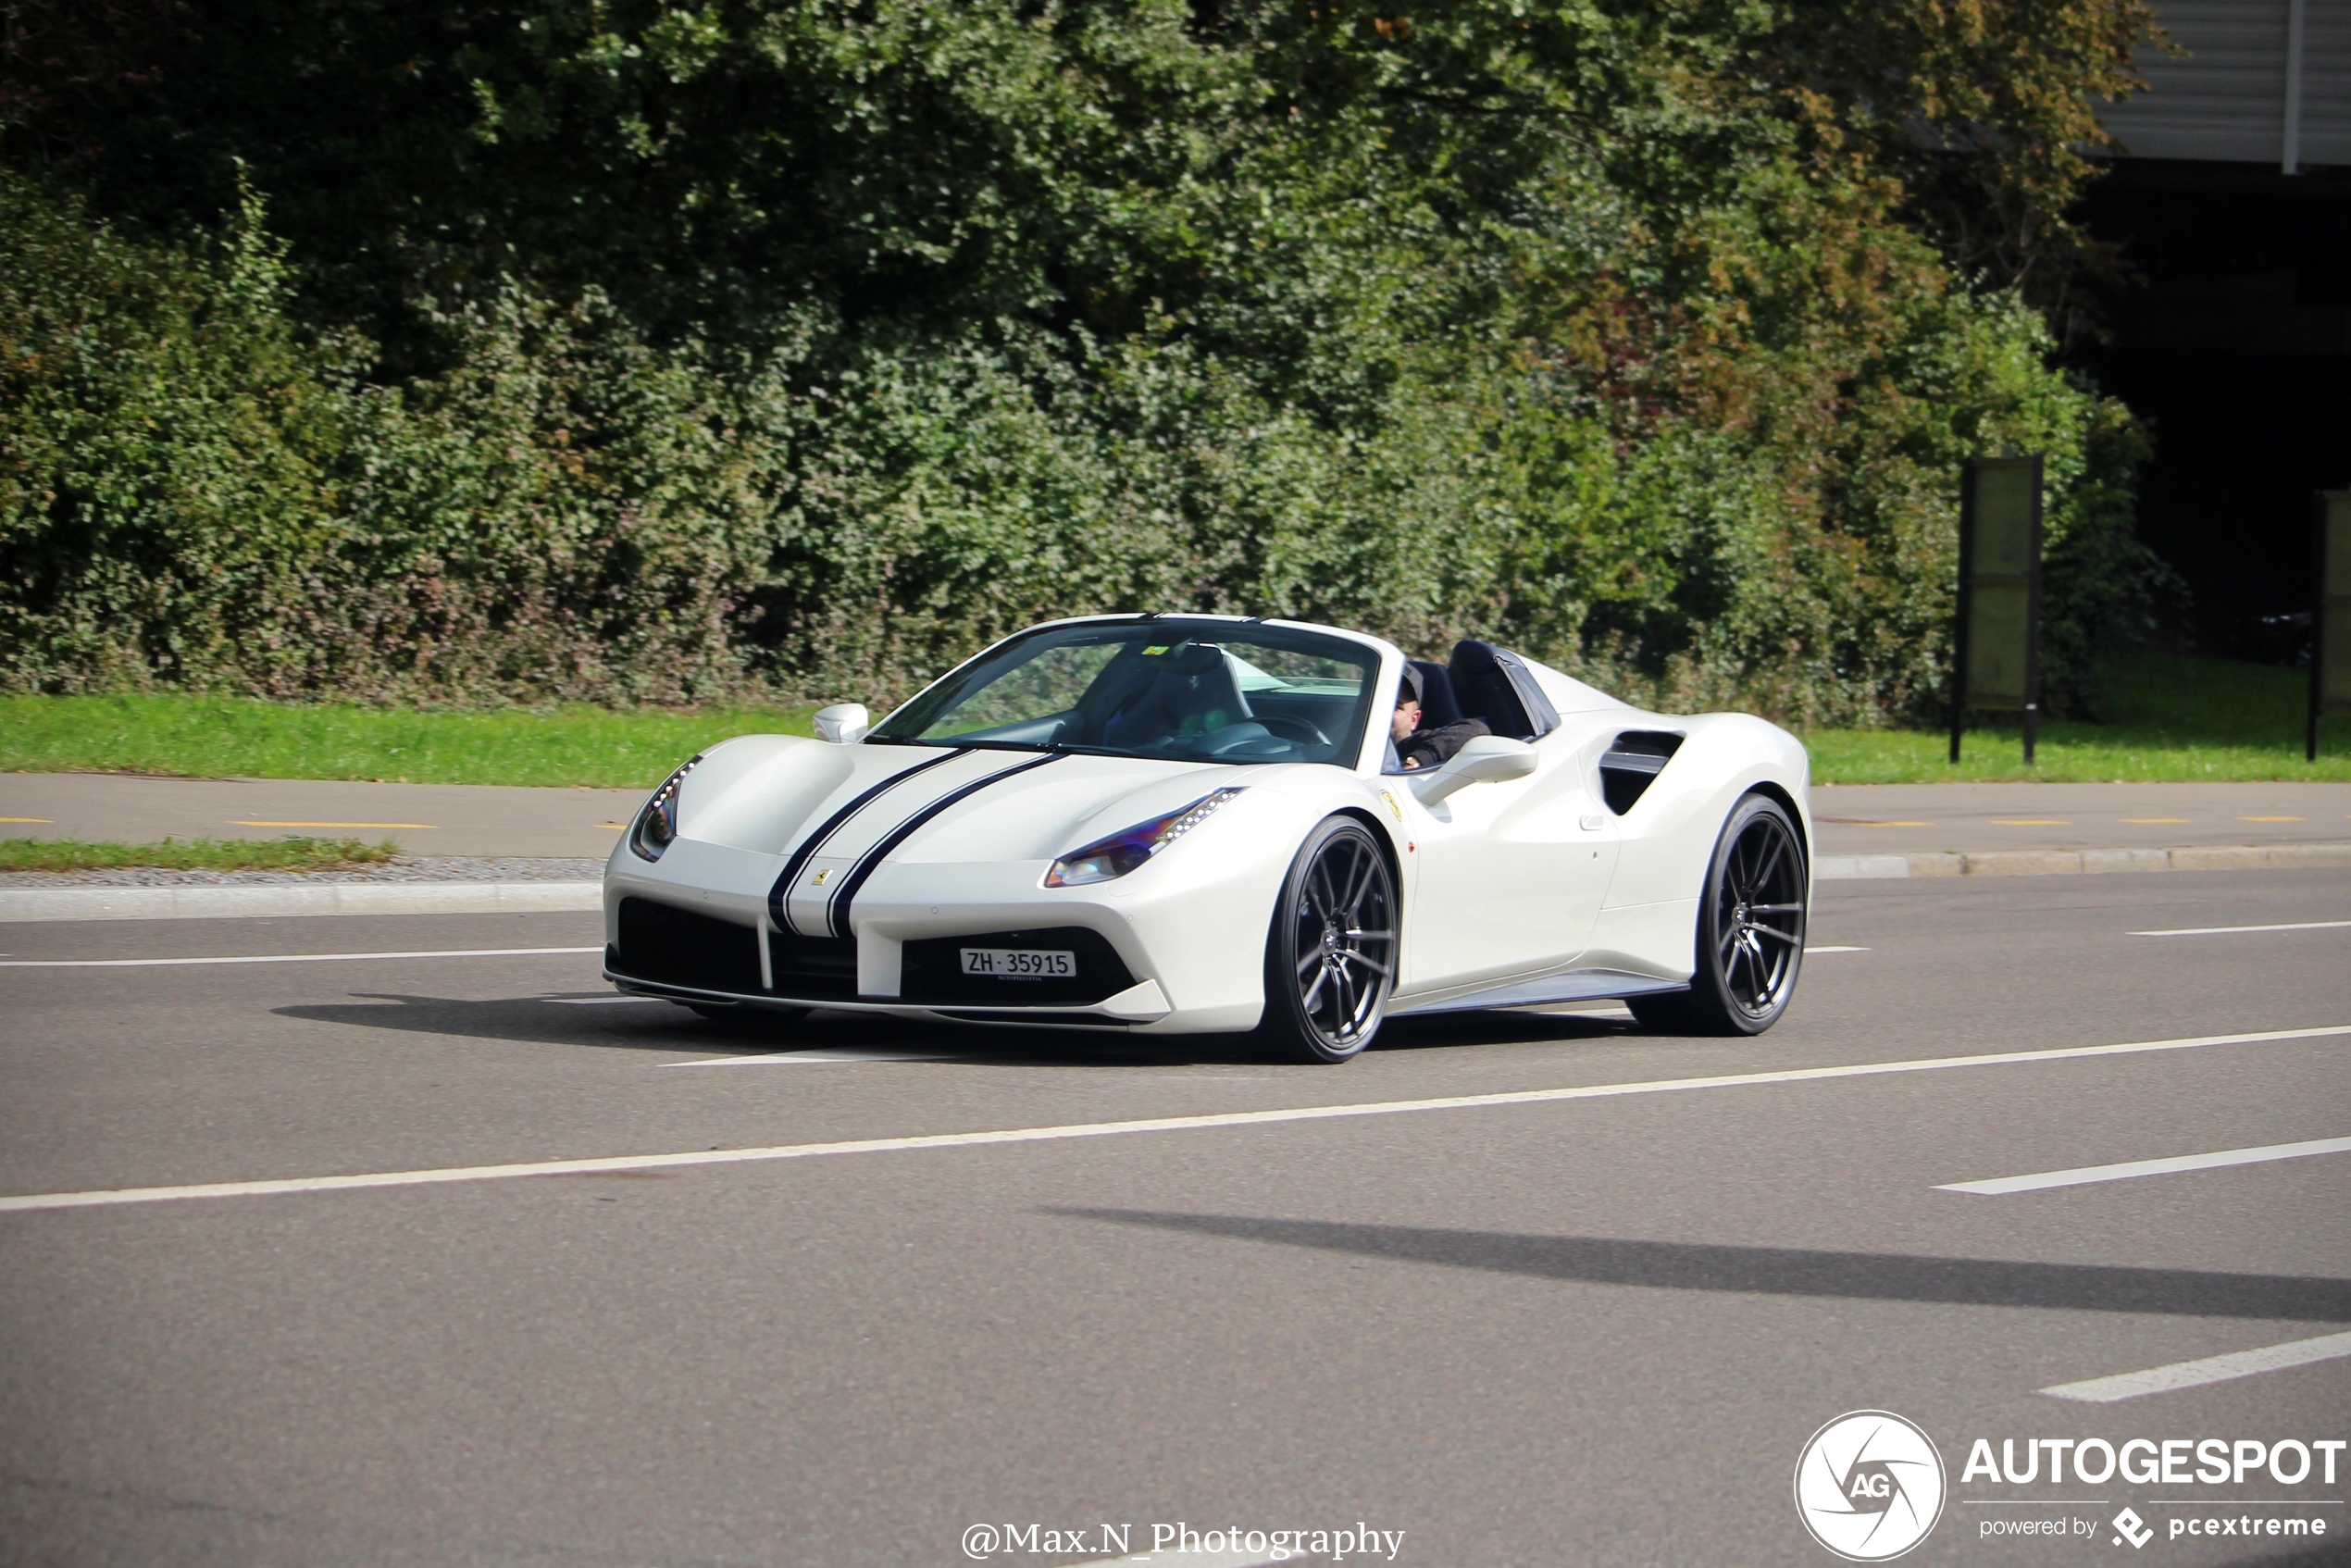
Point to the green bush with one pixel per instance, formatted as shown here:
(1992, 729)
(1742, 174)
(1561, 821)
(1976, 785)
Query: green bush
(1601, 336)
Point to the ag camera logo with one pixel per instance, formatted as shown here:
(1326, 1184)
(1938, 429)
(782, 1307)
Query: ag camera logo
(1869, 1486)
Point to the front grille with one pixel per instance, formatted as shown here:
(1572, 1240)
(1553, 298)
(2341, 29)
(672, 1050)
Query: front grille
(932, 970)
(677, 946)
(813, 968)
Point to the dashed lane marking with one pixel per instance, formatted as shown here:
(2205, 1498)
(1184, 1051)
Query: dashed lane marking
(1813, 949)
(2082, 1176)
(2211, 1369)
(1110, 1129)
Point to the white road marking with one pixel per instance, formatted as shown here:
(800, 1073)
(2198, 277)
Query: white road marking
(1813, 949)
(820, 1053)
(2083, 1175)
(2211, 1369)
(283, 958)
(2232, 930)
(600, 1000)
(1108, 1129)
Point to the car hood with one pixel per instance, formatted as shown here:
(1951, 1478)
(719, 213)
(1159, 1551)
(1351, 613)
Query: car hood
(952, 804)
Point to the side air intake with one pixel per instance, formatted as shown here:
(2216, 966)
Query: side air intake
(1630, 762)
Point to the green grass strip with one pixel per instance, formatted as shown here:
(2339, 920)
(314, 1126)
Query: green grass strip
(193, 854)
(2177, 719)
(243, 738)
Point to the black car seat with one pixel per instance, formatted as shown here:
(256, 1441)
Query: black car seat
(1438, 705)
(1191, 691)
(1494, 684)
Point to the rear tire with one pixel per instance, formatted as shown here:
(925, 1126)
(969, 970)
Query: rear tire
(1330, 957)
(1750, 930)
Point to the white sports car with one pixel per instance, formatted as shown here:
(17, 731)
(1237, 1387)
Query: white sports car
(1182, 823)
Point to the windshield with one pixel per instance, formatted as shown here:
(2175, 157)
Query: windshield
(1189, 690)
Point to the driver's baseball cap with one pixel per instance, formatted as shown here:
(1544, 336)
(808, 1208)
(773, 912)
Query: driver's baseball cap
(1409, 689)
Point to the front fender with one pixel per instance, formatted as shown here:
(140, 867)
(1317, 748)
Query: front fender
(1669, 835)
(1203, 910)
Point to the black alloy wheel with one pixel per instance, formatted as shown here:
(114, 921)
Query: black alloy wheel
(1750, 930)
(1330, 958)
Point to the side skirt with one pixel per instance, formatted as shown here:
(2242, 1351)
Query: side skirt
(1576, 985)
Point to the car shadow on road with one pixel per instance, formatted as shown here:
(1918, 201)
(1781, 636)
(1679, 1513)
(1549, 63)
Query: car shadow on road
(1787, 1271)
(1498, 1027)
(613, 1025)
(605, 1021)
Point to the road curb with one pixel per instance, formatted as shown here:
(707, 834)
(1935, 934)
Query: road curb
(262, 899)
(2065, 863)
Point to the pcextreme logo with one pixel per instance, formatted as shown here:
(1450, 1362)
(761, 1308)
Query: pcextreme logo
(1869, 1486)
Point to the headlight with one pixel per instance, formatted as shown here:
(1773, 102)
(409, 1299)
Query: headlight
(1107, 859)
(656, 827)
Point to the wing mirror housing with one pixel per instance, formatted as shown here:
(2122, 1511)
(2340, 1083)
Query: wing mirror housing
(843, 724)
(1488, 759)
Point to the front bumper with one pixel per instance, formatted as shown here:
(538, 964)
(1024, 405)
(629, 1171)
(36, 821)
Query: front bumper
(664, 950)
(1172, 949)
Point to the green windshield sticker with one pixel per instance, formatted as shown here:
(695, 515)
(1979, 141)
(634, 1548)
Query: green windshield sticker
(1150, 653)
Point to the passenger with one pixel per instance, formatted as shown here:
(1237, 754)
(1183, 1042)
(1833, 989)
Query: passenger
(1417, 748)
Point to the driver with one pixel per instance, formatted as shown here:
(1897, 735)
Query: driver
(1417, 748)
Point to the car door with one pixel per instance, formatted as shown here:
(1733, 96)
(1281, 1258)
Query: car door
(1508, 876)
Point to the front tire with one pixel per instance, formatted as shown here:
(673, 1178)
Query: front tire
(1750, 930)
(1330, 958)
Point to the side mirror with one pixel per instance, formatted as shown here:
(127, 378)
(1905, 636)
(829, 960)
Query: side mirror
(843, 723)
(1488, 759)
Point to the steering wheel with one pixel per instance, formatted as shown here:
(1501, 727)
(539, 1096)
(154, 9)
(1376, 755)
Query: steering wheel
(1294, 729)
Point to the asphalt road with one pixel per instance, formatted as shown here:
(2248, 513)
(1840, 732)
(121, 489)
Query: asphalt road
(1563, 1330)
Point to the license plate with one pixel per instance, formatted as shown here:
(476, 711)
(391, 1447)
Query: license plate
(1018, 962)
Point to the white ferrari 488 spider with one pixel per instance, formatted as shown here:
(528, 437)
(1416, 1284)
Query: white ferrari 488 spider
(1182, 823)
